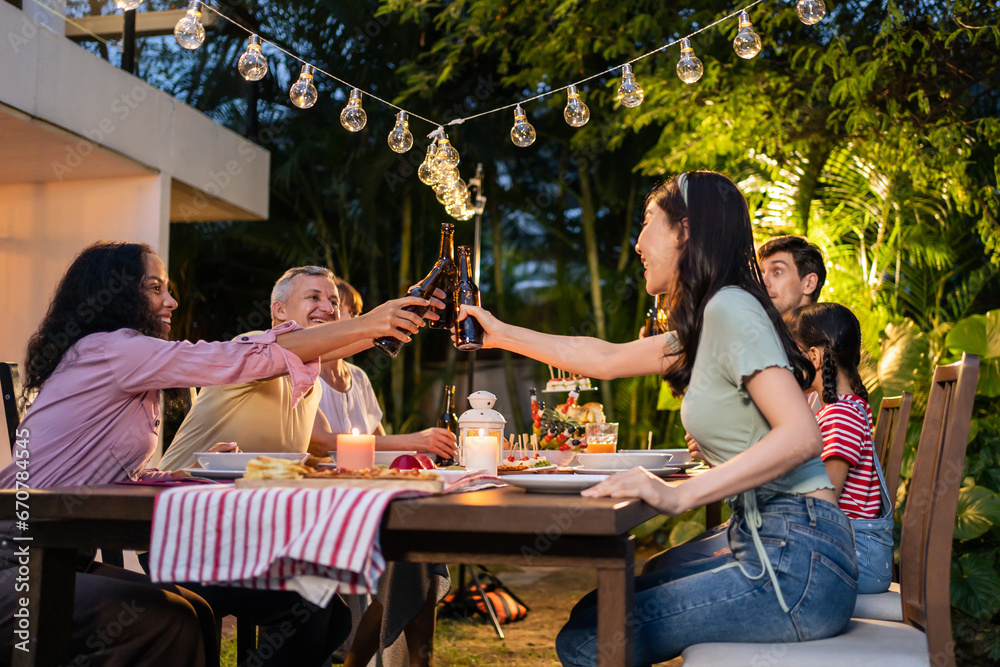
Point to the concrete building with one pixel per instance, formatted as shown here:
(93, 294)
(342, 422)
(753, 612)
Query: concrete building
(90, 152)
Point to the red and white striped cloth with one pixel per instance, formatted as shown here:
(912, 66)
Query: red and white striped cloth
(317, 542)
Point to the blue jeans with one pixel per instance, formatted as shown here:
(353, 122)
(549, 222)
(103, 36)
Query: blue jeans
(810, 545)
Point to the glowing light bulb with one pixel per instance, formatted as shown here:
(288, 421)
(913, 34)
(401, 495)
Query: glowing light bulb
(576, 112)
(747, 42)
(629, 92)
(353, 117)
(253, 64)
(447, 156)
(810, 12)
(689, 68)
(189, 32)
(426, 171)
(127, 5)
(522, 134)
(303, 92)
(400, 139)
(466, 213)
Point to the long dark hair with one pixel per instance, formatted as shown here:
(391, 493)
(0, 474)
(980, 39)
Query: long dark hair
(834, 327)
(101, 291)
(717, 252)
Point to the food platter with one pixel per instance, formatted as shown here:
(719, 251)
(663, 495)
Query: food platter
(528, 471)
(554, 483)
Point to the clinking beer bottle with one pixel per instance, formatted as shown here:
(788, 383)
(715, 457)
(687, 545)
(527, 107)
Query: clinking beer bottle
(449, 281)
(448, 419)
(655, 317)
(468, 332)
(425, 289)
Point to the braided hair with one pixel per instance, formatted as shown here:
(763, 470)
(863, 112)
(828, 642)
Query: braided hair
(834, 327)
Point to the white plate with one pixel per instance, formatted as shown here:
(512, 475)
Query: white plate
(659, 472)
(686, 466)
(554, 483)
(214, 474)
(237, 461)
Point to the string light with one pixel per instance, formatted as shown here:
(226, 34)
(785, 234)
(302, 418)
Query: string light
(747, 42)
(576, 112)
(303, 92)
(447, 155)
(522, 134)
(426, 170)
(629, 92)
(127, 5)
(253, 64)
(810, 12)
(689, 67)
(353, 117)
(400, 139)
(189, 32)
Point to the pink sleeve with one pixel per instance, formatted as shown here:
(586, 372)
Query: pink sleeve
(142, 363)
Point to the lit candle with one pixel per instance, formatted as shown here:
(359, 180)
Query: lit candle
(482, 451)
(355, 452)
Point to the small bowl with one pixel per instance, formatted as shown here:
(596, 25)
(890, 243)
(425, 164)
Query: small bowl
(624, 460)
(558, 457)
(237, 461)
(679, 456)
(383, 458)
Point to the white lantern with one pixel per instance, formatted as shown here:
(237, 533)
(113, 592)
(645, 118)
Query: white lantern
(481, 417)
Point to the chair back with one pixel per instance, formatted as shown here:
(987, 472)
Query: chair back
(10, 390)
(890, 437)
(931, 503)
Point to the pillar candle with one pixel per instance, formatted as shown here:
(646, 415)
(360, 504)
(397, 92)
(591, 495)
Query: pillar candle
(355, 452)
(482, 451)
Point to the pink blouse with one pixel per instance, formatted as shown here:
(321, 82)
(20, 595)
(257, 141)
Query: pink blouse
(97, 418)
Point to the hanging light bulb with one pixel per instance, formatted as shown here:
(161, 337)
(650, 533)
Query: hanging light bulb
(810, 12)
(127, 5)
(253, 64)
(353, 117)
(189, 32)
(303, 92)
(400, 139)
(629, 92)
(747, 42)
(447, 156)
(522, 134)
(689, 68)
(426, 171)
(576, 112)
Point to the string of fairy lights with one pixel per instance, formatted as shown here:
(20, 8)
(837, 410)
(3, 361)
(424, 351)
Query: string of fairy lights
(440, 166)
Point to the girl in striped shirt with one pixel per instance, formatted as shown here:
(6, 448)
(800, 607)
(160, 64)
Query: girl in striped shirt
(829, 334)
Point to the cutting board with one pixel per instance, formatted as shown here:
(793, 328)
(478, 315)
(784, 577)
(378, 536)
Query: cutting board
(430, 485)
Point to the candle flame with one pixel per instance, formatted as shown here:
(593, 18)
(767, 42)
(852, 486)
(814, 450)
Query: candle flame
(355, 431)
(482, 433)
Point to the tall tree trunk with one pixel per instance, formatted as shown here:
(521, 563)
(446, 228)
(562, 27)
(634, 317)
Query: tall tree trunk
(627, 249)
(405, 253)
(818, 155)
(501, 304)
(589, 220)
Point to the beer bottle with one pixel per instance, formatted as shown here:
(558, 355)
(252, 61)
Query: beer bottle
(425, 289)
(448, 420)
(655, 317)
(449, 281)
(468, 332)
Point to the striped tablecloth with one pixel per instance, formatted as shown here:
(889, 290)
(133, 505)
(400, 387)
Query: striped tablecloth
(317, 542)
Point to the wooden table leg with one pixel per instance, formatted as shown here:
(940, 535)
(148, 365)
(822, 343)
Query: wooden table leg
(713, 515)
(615, 592)
(51, 582)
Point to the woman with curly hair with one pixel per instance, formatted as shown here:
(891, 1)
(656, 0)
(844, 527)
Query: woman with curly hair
(790, 574)
(98, 362)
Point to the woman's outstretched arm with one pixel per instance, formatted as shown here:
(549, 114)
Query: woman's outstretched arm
(583, 355)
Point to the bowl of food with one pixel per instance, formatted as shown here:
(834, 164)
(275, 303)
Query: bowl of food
(651, 460)
(237, 461)
(678, 456)
(383, 458)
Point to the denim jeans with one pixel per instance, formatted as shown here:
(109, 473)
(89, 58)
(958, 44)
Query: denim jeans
(810, 545)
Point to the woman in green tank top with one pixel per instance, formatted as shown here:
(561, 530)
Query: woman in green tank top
(791, 573)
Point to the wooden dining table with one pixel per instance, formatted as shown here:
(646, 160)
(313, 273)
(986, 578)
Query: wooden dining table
(501, 526)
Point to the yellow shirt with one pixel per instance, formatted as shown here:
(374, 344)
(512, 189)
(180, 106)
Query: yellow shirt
(255, 415)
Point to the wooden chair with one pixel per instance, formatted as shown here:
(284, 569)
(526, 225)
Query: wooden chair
(924, 635)
(890, 437)
(10, 389)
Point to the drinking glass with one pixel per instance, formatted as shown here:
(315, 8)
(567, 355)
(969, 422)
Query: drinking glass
(602, 438)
